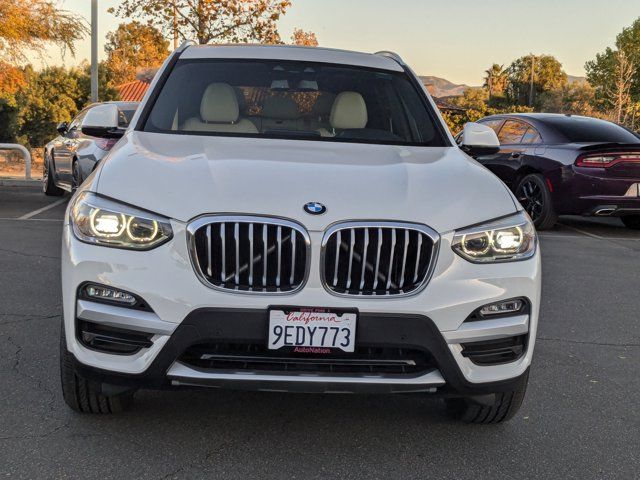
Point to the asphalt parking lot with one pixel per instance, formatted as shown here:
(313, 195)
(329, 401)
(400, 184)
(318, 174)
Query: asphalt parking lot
(580, 419)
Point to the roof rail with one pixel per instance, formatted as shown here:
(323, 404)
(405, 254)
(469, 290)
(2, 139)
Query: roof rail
(185, 44)
(391, 55)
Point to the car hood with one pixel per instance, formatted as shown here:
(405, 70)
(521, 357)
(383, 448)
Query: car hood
(184, 176)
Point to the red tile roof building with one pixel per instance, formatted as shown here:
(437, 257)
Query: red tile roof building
(133, 91)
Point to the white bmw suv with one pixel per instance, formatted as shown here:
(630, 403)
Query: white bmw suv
(296, 219)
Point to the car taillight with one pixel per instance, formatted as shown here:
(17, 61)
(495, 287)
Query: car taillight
(106, 143)
(606, 160)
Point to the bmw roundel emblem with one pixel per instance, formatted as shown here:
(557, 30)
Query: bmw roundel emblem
(315, 208)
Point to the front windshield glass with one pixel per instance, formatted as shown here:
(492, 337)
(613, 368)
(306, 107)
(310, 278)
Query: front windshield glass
(299, 100)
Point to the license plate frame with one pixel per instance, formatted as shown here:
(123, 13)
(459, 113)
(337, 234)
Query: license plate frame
(343, 341)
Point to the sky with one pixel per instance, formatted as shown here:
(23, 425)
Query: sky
(453, 39)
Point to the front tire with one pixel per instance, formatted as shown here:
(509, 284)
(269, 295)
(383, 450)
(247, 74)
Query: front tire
(505, 406)
(83, 396)
(48, 185)
(535, 197)
(77, 176)
(631, 221)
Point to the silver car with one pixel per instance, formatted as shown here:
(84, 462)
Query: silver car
(71, 157)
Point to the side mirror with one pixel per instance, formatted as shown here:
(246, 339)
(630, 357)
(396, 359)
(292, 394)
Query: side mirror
(62, 128)
(478, 139)
(102, 121)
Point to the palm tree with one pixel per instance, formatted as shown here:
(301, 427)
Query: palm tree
(495, 80)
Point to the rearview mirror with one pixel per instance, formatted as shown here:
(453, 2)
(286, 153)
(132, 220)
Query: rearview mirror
(478, 139)
(62, 128)
(102, 121)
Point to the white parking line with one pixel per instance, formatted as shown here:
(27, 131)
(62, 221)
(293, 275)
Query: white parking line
(588, 234)
(2, 219)
(560, 235)
(27, 216)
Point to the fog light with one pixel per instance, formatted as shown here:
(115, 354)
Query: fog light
(110, 294)
(508, 306)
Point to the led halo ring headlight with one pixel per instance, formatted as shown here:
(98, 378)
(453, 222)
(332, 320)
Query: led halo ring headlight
(508, 239)
(102, 221)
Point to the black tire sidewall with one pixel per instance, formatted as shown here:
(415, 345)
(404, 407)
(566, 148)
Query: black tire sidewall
(548, 217)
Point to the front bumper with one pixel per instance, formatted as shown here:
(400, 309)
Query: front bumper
(185, 313)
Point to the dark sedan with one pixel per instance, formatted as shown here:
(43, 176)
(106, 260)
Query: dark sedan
(567, 165)
(71, 157)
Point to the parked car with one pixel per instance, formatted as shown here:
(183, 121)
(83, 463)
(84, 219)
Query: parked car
(71, 157)
(567, 165)
(238, 237)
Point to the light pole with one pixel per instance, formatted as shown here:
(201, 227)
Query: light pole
(533, 64)
(94, 50)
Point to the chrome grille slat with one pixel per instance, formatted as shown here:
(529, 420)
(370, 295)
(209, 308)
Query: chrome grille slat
(338, 247)
(265, 244)
(352, 241)
(236, 238)
(209, 250)
(249, 254)
(279, 243)
(251, 257)
(293, 255)
(223, 275)
(404, 258)
(364, 257)
(376, 274)
(381, 258)
(391, 255)
(415, 276)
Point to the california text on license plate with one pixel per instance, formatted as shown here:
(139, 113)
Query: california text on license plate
(312, 330)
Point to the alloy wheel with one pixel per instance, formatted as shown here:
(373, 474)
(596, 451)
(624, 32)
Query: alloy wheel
(531, 197)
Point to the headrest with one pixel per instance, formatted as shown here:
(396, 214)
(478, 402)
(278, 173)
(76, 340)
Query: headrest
(280, 107)
(323, 105)
(219, 104)
(349, 111)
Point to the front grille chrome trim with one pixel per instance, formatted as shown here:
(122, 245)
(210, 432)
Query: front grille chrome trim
(378, 277)
(253, 221)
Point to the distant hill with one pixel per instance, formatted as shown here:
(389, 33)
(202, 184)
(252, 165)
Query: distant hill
(573, 79)
(440, 87)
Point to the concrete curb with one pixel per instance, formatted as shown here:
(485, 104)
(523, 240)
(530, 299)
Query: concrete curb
(19, 182)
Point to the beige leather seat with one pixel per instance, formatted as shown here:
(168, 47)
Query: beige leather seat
(281, 112)
(219, 112)
(349, 111)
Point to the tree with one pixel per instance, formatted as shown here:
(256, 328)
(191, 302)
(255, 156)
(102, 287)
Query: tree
(628, 41)
(12, 81)
(495, 80)
(306, 39)
(132, 47)
(50, 98)
(548, 75)
(620, 91)
(30, 25)
(615, 76)
(210, 20)
(106, 85)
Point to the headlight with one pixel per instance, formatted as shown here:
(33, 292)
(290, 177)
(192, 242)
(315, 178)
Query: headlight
(506, 240)
(105, 222)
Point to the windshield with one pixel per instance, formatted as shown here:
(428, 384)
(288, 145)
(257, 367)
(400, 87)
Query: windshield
(125, 115)
(590, 130)
(283, 99)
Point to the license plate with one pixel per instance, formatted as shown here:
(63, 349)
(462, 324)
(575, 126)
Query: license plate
(312, 330)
